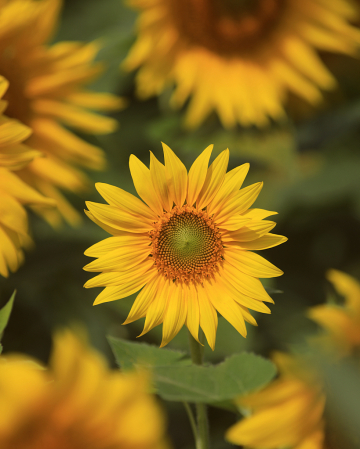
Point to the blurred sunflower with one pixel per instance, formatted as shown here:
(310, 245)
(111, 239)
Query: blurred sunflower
(77, 404)
(46, 92)
(288, 413)
(239, 58)
(14, 193)
(189, 246)
(341, 322)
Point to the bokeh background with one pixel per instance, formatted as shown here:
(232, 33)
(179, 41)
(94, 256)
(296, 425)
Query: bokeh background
(310, 166)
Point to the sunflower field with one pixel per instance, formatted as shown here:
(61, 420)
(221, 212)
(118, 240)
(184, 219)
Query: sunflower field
(179, 224)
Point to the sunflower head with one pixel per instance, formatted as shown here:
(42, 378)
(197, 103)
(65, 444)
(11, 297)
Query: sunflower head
(287, 413)
(239, 58)
(187, 246)
(78, 403)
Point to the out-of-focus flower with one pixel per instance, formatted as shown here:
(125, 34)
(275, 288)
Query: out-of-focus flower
(78, 403)
(189, 246)
(239, 58)
(341, 323)
(14, 193)
(286, 414)
(46, 92)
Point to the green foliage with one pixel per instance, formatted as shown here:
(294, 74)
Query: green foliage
(176, 379)
(5, 315)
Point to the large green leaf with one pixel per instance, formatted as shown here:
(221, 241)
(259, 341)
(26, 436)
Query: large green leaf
(176, 379)
(5, 315)
(129, 354)
(237, 375)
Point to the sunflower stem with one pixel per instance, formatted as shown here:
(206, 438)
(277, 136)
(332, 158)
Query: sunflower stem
(192, 420)
(202, 434)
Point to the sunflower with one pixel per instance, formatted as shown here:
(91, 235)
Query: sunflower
(78, 403)
(14, 193)
(342, 323)
(288, 413)
(46, 92)
(189, 247)
(239, 58)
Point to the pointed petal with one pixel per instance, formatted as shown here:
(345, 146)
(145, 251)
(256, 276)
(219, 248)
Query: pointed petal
(156, 310)
(159, 181)
(121, 220)
(176, 175)
(258, 214)
(247, 285)
(232, 183)
(124, 201)
(197, 175)
(252, 264)
(226, 306)
(175, 314)
(193, 315)
(144, 299)
(214, 178)
(122, 291)
(264, 242)
(142, 181)
(208, 317)
(238, 203)
(111, 243)
(251, 231)
(119, 260)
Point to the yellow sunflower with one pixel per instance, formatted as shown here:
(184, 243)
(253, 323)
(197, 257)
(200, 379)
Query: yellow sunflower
(286, 414)
(239, 58)
(46, 92)
(78, 403)
(342, 323)
(188, 248)
(14, 193)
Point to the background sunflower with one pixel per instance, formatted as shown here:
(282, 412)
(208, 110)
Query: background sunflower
(310, 168)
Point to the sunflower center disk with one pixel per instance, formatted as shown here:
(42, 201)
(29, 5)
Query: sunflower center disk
(227, 27)
(186, 245)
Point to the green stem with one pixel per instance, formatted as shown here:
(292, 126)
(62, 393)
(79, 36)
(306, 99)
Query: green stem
(202, 434)
(192, 420)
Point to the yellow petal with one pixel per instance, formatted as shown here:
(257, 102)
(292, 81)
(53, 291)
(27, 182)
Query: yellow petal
(252, 264)
(197, 175)
(176, 176)
(247, 285)
(193, 315)
(232, 183)
(208, 317)
(226, 306)
(111, 243)
(258, 214)
(214, 178)
(112, 216)
(159, 181)
(239, 203)
(142, 181)
(250, 231)
(125, 201)
(144, 299)
(156, 310)
(75, 117)
(264, 242)
(175, 314)
(99, 101)
(119, 259)
(127, 289)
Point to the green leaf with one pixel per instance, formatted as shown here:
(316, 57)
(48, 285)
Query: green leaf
(5, 315)
(236, 376)
(129, 354)
(176, 379)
